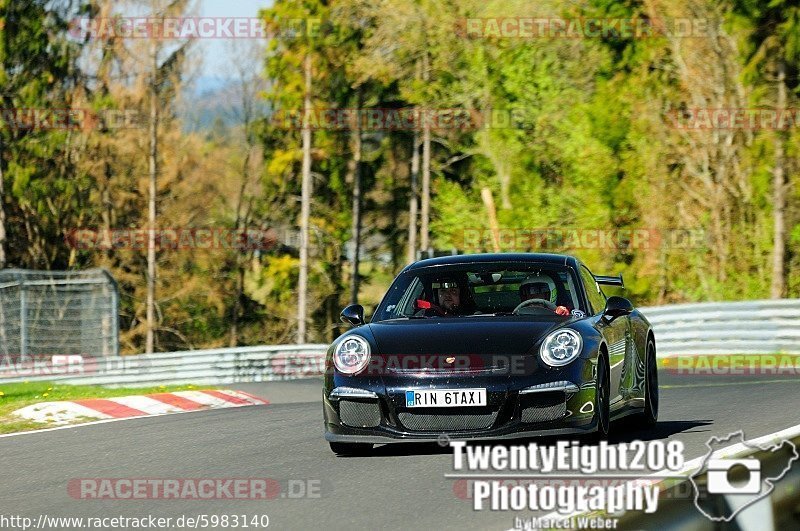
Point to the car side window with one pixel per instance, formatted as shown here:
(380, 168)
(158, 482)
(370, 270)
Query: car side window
(597, 298)
(405, 307)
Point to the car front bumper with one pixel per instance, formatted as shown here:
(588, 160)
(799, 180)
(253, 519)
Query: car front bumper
(555, 404)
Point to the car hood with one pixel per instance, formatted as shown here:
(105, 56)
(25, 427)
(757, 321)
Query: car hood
(512, 335)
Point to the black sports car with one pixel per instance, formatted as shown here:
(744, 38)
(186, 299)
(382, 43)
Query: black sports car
(489, 346)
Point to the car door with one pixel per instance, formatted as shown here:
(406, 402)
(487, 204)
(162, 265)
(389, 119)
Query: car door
(615, 332)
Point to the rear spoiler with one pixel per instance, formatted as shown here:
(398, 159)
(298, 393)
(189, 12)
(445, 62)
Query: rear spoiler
(610, 281)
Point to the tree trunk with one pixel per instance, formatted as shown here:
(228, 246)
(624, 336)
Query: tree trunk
(491, 213)
(779, 197)
(424, 243)
(412, 203)
(356, 206)
(426, 169)
(248, 86)
(239, 224)
(151, 218)
(105, 197)
(2, 211)
(233, 340)
(305, 208)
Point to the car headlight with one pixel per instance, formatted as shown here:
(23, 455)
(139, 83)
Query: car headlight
(561, 347)
(351, 355)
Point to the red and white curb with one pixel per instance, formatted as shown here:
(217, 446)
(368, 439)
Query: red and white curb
(66, 412)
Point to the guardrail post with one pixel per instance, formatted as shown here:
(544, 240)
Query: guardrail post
(23, 322)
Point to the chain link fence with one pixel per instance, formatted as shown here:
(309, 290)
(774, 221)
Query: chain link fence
(57, 313)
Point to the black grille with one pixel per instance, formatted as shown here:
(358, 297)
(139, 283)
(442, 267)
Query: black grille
(459, 422)
(359, 414)
(544, 413)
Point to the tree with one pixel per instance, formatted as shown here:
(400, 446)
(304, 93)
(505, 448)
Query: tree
(427, 29)
(305, 202)
(357, 201)
(163, 77)
(38, 75)
(294, 60)
(772, 55)
(248, 114)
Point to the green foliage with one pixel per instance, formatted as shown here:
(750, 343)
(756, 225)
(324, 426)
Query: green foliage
(591, 146)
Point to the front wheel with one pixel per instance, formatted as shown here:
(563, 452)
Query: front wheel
(602, 402)
(350, 449)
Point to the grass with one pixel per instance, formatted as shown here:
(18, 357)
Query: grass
(17, 395)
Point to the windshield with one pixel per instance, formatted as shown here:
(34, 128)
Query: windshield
(481, 289)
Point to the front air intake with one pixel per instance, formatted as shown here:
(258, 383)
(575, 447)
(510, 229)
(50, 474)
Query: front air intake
(462, 422)
(359, 414)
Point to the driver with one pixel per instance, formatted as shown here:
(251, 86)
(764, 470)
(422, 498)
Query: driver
(543, 288)
(448, 293)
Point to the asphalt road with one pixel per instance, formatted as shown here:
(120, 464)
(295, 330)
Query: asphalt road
(399, 487)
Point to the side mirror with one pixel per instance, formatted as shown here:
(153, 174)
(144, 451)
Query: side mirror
(353, 314)
(617, 307)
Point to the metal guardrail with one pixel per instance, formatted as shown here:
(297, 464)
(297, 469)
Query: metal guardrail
(211, 367)
(749, 327)
(753, 327)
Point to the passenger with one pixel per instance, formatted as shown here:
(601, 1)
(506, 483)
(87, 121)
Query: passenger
(543, 288)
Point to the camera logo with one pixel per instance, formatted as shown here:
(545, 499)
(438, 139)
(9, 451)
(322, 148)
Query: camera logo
(721, 476)
(736, 473)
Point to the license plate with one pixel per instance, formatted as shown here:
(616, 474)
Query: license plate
(445, 397)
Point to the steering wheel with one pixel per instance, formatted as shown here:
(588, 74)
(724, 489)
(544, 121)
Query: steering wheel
(537, 302)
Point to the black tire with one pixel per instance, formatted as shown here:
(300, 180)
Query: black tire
(602, 400)
(350, 449)
(649, 415)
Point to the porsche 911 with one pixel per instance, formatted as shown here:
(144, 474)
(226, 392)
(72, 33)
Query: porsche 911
(489, 346)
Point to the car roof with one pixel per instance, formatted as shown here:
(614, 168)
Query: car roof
(546, 258)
